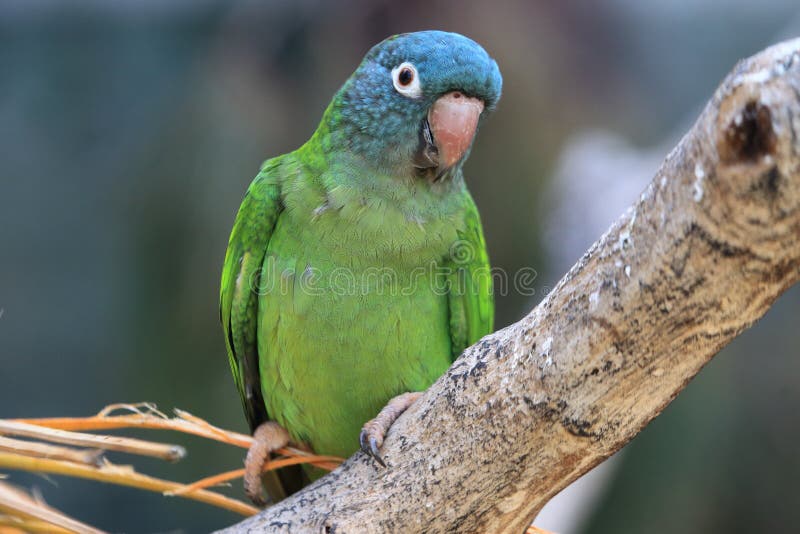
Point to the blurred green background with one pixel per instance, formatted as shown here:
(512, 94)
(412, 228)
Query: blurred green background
(130, 130)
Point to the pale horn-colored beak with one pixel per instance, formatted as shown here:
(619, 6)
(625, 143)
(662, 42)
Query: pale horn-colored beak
(453, 119)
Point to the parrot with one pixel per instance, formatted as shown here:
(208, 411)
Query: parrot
(356, 271)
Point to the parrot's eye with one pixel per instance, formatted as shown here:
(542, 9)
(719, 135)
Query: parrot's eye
(406, 81)
(406, 76)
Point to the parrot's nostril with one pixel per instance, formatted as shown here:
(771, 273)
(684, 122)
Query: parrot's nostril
(456, 94)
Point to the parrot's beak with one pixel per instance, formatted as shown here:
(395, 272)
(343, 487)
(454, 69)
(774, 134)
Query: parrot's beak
(453, 119)
(447, 132)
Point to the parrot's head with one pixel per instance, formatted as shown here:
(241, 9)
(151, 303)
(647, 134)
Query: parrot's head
(413, 106)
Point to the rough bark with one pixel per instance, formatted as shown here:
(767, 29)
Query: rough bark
(701, 255)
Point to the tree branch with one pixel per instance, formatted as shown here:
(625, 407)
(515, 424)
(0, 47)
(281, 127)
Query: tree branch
(708, 247)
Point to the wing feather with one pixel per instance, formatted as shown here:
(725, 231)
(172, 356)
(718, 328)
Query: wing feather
(238, 302)
(471, 299)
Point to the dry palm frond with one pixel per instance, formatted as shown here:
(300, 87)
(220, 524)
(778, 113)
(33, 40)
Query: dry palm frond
(44, 450)
(80, 454)
(146, 415)
(21, 511)
(109, 443)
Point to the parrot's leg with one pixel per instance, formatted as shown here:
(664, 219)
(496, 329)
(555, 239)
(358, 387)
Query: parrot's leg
(267, 438)
(373, 432)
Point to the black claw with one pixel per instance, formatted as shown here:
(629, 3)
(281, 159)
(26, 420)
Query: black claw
(258, 501)
(374, 452)
(370, 446)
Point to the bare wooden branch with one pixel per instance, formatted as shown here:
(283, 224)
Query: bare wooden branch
(702, 254)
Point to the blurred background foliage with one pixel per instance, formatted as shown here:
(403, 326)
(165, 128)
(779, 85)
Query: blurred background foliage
(129, 131)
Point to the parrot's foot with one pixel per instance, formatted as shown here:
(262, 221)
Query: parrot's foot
(268, 437)
(373, 432)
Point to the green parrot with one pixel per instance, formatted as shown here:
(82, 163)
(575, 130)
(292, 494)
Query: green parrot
(356, 270)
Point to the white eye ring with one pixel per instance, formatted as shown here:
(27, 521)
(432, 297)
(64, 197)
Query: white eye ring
(406, 80)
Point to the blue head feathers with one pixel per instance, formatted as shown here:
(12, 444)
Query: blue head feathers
(384, 111)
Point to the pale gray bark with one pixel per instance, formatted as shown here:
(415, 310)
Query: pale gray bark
(708, 247)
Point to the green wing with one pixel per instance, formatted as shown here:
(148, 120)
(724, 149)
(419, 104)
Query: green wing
(238, 298)
(470, 290)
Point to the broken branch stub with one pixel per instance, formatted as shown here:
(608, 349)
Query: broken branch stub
(701, 255)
